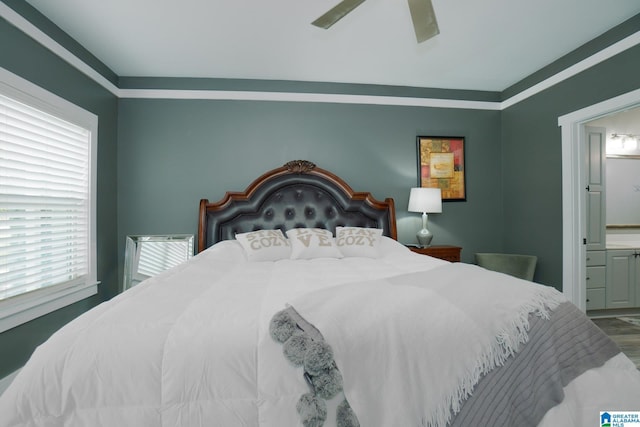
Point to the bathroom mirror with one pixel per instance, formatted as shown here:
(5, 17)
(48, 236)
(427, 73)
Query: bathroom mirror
(146, 256)
(623, 193)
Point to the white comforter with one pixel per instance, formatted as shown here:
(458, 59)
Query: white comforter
(191, 347)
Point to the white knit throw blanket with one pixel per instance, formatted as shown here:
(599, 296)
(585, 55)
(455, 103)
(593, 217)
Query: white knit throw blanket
(411, 348)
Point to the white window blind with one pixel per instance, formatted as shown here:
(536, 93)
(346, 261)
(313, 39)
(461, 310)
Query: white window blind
(44, 199)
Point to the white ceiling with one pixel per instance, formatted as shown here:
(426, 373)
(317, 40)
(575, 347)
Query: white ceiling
(482, 45)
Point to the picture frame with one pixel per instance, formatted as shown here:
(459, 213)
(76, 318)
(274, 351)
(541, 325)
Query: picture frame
(441, 164)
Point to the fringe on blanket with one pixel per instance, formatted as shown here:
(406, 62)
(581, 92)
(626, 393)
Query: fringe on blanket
(507, 342)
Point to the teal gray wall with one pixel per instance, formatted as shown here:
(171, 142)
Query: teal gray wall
(532, 158)
(172, 153)
(28, 59)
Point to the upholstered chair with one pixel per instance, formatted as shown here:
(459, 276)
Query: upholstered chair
(521, 266)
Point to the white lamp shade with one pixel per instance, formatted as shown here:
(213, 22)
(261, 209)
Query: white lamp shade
(425, 200)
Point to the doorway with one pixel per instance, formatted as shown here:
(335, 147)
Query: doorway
(573, 197)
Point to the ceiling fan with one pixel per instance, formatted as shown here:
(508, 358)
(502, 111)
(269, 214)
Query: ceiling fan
(422, 15)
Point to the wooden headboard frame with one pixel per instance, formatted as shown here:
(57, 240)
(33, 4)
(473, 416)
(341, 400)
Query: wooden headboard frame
(298, 194)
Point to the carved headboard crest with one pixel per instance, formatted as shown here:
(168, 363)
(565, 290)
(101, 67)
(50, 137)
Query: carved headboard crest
(299, 166)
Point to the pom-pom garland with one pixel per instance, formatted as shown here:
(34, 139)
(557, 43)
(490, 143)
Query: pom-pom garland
(320, 371)
(318, 358)
(345, 417)
(312, 411)
(328, 383)
(295, 348)
(282, 326)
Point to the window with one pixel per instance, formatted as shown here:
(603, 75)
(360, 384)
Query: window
(47, 208)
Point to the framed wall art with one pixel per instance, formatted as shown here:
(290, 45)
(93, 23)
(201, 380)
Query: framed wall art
(441, 165)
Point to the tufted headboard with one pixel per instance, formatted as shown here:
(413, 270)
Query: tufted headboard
(298, 194)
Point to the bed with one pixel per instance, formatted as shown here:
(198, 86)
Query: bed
(301, 308)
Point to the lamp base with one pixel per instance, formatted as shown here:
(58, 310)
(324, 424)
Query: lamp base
(424, 238)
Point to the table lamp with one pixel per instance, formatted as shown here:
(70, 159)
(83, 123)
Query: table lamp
(425, 200)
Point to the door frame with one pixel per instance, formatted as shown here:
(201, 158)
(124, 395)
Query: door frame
(573, 197)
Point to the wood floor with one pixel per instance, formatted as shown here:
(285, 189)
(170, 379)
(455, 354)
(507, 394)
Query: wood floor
(625, 334)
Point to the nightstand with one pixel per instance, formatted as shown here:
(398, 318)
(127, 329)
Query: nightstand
(445, 252)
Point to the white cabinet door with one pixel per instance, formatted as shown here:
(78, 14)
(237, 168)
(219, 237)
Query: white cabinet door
(637, 277)
(621, 278)
(596, 202)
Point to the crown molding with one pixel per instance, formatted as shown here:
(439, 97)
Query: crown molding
(39, 36)
(601, 56)
(306, 97)
(17, 20)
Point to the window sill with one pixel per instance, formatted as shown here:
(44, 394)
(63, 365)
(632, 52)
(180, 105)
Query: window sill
(23, 308)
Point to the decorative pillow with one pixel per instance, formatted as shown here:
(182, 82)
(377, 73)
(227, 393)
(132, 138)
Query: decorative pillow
(359, 241)
(265, 245)
(309, 243)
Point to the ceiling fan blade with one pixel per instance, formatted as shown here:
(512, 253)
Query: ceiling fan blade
(424, 19)
(336, 13)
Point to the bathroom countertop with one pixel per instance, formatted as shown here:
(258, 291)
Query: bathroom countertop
(623, 241)
(625, 245)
